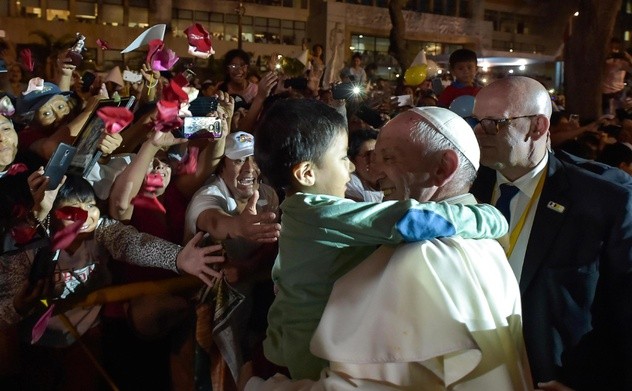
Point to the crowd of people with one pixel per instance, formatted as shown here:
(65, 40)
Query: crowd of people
(310, 237)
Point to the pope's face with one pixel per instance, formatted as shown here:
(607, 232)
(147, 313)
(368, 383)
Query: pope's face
(402, 167)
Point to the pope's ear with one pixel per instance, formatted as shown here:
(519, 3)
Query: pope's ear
(304, 174)
(446, 169)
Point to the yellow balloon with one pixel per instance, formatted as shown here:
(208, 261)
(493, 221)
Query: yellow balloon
(415, 75)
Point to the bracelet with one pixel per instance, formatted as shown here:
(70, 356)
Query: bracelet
(37, 222)
(150, 86)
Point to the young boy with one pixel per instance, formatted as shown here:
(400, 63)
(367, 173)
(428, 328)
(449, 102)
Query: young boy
(463, 68)
(302, 147)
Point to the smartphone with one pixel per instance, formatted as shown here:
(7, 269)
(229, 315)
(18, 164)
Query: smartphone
(87, 80)
(203, 105)
(202, 127)
(344, 90)
(404, 100)
(131, 76)
(58, 164)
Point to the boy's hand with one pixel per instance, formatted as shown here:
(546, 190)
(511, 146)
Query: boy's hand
(258, 228)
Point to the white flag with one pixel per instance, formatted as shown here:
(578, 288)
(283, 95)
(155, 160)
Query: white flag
(154, 32)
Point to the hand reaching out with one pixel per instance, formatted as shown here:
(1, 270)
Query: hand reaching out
(266, 84)
(260, 228)
(198, 261)
(149, 75)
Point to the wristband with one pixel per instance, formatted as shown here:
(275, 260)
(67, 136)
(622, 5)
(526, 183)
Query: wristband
(150, 86)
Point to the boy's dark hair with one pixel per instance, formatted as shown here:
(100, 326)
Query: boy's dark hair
(462, 55)
(356, 55)
(294, 131)
(357, 138)
(75, 188)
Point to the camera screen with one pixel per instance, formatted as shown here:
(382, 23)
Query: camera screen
(202, 127)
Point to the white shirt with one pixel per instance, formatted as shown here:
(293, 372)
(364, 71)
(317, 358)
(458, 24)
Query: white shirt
(102, 176)
(216, 195)
(517, 206)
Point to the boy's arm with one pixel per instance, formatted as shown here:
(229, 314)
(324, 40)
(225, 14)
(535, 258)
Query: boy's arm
(347, 223)
(470, 221)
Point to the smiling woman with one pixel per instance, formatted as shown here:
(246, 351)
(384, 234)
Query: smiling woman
(236, 63)
(8, 143)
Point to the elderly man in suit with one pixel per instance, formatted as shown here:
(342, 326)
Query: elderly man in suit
(570, 241)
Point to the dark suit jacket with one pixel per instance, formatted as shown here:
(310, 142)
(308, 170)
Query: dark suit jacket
(576, 282)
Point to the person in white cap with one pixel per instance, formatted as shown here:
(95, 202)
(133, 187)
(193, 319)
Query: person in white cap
(436, 314)
(234, 207)
(227, 194)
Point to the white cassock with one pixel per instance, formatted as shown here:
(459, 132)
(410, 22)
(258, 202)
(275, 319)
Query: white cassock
(434, 315)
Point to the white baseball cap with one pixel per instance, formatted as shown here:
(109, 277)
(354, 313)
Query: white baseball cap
(239, 145)
(454, 128)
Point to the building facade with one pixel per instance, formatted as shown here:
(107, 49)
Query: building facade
(494, 28)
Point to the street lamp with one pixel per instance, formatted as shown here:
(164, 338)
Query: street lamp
(240, 10)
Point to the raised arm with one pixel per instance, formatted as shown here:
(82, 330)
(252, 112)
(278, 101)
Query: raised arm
(129, 182)
(125, 243)
(212, 154)
(267, 82)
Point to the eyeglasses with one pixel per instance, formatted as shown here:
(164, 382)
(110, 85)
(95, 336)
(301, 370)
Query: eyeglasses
(493, 126)
(243, 138)
(234, 67)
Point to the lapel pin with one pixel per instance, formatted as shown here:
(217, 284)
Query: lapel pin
(556, 207)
